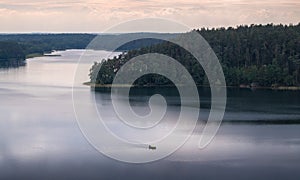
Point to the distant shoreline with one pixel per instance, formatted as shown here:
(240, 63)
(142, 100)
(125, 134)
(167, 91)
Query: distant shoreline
(93, 85)
(34, 55)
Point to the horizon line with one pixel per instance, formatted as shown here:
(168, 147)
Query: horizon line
(157, 32)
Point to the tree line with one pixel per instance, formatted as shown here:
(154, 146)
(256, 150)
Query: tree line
(11, 55)
(266, 55)
(19, 46)
(42, 43)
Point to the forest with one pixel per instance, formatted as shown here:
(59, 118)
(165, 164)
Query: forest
(15, 48)
(11, 55)
(264, 55)
(44, 43)
(11, 50)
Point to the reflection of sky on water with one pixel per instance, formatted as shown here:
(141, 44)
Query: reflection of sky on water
(39, 136)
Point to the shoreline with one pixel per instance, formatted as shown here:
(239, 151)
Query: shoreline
(34, 55)
(121, 85)
(281, 88)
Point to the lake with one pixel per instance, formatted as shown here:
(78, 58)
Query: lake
(40, 137)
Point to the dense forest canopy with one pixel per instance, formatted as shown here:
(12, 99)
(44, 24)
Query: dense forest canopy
(15, 48)
(267, 55)
(41, 43)
(11, 54)
(11, 50)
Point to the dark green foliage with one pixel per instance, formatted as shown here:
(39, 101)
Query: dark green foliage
(11, 55)
(41, 43)
(136, 44)
(11, 50)
(104, 72)
(15, 47)
(263, 54)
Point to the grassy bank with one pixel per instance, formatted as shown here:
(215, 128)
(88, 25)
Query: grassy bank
(33, 55)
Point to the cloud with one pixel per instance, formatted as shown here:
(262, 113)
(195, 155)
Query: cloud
(97, 15)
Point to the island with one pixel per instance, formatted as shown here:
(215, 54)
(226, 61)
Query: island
(255, 56)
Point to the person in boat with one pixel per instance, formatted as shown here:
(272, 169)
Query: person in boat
(152, 147)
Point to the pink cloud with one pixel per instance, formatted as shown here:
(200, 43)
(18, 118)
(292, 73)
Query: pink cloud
(97, 15)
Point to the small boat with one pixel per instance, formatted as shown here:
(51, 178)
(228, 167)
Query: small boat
(152, 147)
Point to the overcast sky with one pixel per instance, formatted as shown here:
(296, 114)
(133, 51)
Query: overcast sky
(98, 15)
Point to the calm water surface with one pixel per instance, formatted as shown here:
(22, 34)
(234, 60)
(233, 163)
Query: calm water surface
(40, 138)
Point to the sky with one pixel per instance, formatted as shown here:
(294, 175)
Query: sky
(98, 15)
